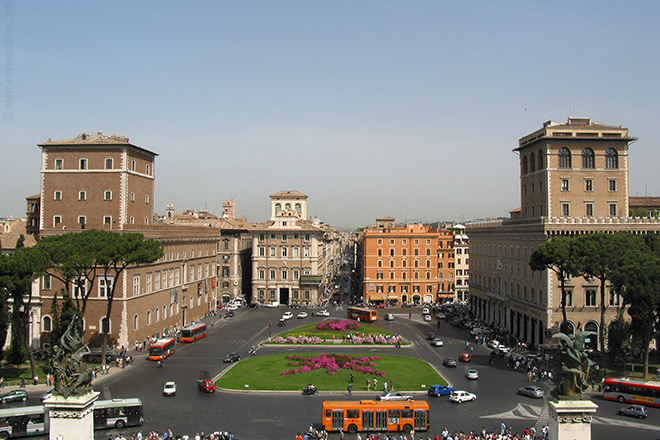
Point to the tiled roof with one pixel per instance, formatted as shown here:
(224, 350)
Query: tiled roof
(288, 194)
(643, 201)
(90, 139)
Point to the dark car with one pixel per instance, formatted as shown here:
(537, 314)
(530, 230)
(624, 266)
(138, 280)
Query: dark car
(439, 390)
(229, 314)
(282, 322)
(430, 336)
(497, 353)
(14, 396)
(450, 362)
(634, 411)
(232, 357)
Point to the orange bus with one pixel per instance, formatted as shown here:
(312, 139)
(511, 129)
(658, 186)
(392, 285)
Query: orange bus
(193, 332)
(370, 415)
(362, 314)
(161, 349)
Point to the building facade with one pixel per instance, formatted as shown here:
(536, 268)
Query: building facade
(573, 180)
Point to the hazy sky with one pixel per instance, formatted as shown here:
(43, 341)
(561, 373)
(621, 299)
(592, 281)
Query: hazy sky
(408, 109)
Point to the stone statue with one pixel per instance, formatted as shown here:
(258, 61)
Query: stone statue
(572, 366)
(72, 377)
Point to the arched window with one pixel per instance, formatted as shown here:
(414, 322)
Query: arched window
(298, 208)
(164, 312)
(47, 324)
(532, 162)
(564, 158)
(136, 322)
(524, 164)
(611, 159)
(278, 208)
(287, 207)
(148, 318)
(157, 310)
(105, 325)
(588, 158)
(539, 158)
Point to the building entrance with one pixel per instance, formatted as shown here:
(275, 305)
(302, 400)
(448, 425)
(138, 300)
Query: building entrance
(284, 295)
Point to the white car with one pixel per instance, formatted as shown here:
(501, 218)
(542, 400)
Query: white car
(287, 315)
(472, 374)
(427, 318)
(169, 389)
(394, 396)
(461, 396)
(426, 311)
(323, 313)
(232, 307)
(302, 315)
(437, 342)
(273, 304)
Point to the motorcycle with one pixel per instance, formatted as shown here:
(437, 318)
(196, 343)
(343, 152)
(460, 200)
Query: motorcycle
(252, 351)
(310, 390)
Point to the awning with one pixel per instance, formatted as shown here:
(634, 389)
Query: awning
(377, 297)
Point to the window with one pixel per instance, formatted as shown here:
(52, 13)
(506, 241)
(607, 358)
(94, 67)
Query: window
(272, 251)
(132, 197)
(146, 199)
(177, 276)
(57, 219)
(588, 185)
(284, 251)
(296, 274)
(107, 220)
(564, 158)
(105, 288)
(380, 252)
(47, 323)
(307, 237)
(81, 221)
(587, 158)
(589, 209)
(611, 159)
(262, 274)
(107, 195)
(148, 317)
(132, 165)
(590, 298)
(284, 237)
(404, 289)
(59, 164)
(47, 282)
(569, 298)
(611, 185)
(284, 274)
(83, 164)
(148, 169)
(82, 195)
(379, 289)
(262, 251)
(272, 275)
(565, 209)
(306, 252)
(109, 163)
(57, 195)
(565, 185)
(148, 281)
(296, 252)
(379, 276)
(612, 207)
(540, 160)
(532, 162)
(157, 280)
(615, 298)
(136, 284)
(131, 220)
(429, 288)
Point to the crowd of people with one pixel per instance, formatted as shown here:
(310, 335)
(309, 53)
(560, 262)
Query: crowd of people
(169, 435)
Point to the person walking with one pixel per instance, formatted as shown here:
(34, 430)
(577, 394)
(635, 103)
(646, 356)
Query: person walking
(375, 384)
(350, 389)
(368, 384)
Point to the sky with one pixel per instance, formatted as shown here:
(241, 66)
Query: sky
(409, 109)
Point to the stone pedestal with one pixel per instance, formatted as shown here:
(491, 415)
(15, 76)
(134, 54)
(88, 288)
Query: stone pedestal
(71, 418)
(571, 419)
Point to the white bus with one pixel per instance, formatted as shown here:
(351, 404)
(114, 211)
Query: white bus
(22, 422)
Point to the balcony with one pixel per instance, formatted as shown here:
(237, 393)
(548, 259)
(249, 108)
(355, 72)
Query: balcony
(310, 280)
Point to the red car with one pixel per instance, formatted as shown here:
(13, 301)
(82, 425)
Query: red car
(204, 383)
(465, 357)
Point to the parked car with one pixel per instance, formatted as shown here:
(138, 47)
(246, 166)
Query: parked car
(450, 362)
(273, 304)
(302, 315)
(437, 342)
(461, 396)
(169, 389)
(294, 306)
(427, 318)
(232, 357)
(389, 317)
(465, 357)
(531, 391)
(638, 411)
(287, 315)
(472, 374)
(14, 396)
(323, 312)
(395, 395)
(439, 390)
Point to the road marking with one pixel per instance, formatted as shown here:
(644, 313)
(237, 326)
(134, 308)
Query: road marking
(519, 412)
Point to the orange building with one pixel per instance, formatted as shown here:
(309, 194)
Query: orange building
(406, 263)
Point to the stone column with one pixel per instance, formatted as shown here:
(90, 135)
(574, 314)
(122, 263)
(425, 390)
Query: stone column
(71, 418)
(571, 419)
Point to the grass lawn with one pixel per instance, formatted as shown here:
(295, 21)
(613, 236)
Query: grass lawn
(310, 330)
(13, 375)
(263, 373)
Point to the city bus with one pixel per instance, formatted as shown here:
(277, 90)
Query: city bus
(23, 421)
(362, 314)
(370, 415)
(193, 332)
(161, 349)
(118, 413)
(632, 391)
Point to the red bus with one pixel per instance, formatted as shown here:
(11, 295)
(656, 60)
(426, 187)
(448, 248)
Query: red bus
(193, 332)
(632, 391)
(362, 314)
(161, 349)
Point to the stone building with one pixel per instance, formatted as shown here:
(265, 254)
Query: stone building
(573, 180)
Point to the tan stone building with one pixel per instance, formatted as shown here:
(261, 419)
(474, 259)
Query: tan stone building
(573, 180)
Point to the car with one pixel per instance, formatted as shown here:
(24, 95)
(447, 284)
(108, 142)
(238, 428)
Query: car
(282, 322)
(229, 314)
(439, 390)
(204, 383)
(472, 374)
(465, 357)
(302, 315)
(232, 357)
(394, 395)
(169, 389)
(427, 318)
(47, 395)
(430, 336)
(14, 396)
(389, 317)
(634, 411)
(287, 315)
(273, 304)
(425, 311)
(441, 316)
(294, 306)
(531, 391)
(254, 305)
(232, 307)
(461, 396)
(323, 312)
(381, 306)
(449, 362)
(437, 342)
(493, 344)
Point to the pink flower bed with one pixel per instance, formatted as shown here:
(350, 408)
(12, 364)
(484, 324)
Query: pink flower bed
(332, 363)
(337, 325)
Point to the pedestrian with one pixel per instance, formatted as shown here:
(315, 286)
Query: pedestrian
(350, 389)
(351, 377)
(385, 387)
(22, 382)
(368, 384)
(375, 384)
(341, 434)
(2, 382)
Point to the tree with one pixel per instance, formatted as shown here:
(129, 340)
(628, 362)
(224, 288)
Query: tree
(119, 252)
(558, 256)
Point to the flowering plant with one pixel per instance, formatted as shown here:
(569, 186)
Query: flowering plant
(338, 325)
(332, 363)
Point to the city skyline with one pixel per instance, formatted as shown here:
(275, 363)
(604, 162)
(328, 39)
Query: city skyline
(370, 108)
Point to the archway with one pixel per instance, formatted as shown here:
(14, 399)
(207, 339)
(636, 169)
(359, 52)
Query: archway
(592, 341)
